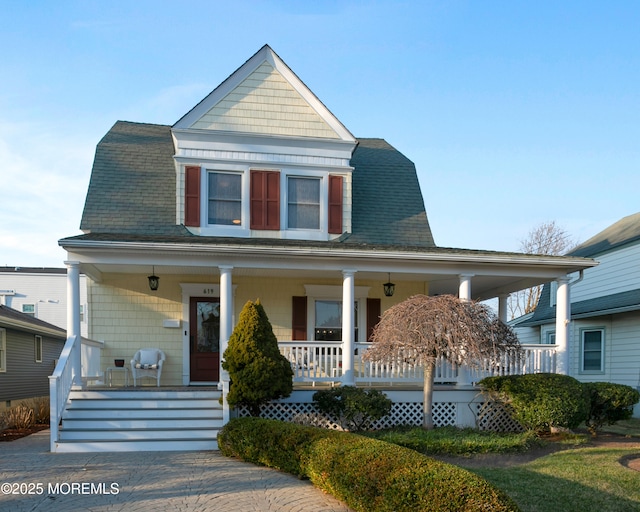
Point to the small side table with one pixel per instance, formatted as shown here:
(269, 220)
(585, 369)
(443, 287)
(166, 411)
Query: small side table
(108, 374)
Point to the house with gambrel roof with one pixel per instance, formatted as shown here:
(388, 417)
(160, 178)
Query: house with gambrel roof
(605, 309)
(261, 192)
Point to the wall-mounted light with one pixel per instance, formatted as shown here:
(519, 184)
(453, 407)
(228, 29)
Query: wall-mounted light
(389, 287)
(154, 280)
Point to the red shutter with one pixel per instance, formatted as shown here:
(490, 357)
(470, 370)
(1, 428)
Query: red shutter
(335, 204)
(192, 196)
(265, 200)
(299, 318)
(373, 315)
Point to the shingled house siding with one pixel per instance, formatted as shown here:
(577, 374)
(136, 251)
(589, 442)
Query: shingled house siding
(192, 196)
(265, 200)
(335, 204)
(24, 377)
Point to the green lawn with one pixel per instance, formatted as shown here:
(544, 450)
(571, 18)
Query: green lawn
(583, 479)
(576, 479)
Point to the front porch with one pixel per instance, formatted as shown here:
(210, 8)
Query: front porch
(304, 290)
(92, 416)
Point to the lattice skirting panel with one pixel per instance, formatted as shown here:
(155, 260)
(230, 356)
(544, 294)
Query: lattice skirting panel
(402, 413)
(496, 417)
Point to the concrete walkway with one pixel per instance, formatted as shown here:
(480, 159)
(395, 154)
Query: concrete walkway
(33, 479)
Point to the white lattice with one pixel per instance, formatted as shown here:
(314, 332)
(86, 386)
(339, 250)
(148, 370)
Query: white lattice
(496, 417)
(402, 413)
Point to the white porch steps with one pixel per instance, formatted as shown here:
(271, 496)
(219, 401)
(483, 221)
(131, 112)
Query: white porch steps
(125, 420)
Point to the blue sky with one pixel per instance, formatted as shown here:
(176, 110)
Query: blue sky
(515, 113)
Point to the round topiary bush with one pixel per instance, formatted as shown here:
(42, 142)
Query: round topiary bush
(541, 401)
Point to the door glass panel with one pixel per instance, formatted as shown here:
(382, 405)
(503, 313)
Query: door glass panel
(208, 327)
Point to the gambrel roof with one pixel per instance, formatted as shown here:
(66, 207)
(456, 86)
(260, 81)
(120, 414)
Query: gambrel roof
(133, 189)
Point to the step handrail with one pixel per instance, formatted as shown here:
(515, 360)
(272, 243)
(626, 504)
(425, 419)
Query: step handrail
(60, 383)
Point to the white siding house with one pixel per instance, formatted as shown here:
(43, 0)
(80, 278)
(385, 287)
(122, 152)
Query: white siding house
(41, 293)
(604, 340)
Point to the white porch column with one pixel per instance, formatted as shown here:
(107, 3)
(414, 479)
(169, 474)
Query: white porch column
(502, 307)
(348, 327)
(73, 318)
(563, 318)
(464, 293)
(226, 328)
(464, 290)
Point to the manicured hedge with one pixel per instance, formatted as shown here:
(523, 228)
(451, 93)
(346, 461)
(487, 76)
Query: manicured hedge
(610, 403)
(541, 401)
(366, 474)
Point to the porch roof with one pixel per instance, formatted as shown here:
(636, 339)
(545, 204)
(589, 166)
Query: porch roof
(493, 272)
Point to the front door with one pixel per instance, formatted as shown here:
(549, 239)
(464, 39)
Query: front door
(204, 339)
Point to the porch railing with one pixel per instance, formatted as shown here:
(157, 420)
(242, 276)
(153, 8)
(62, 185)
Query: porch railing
(60, 385)
(313, 362)
(62, 379)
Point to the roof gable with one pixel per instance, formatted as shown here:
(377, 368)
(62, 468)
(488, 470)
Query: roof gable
(265, 97)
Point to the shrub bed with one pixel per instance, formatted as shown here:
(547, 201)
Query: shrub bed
(366, 474)
(609, 403)
(541, 401)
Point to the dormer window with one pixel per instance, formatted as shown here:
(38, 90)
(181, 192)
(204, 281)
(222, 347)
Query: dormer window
(303, 206)
(285, 203)
(225, 198)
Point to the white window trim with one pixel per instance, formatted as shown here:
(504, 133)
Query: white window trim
(243, 230)
(546, 337)
(37, 348)
(35, 309)
(332, 292)
(602, 350)
(553, 293)
(3, 350)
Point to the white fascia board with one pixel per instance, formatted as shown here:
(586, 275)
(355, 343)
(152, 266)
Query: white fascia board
(330, 258)
(205, 145)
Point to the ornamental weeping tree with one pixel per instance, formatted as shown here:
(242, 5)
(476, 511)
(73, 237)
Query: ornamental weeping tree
(423, 329)
(258, 371)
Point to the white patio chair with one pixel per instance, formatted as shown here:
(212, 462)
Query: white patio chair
(147, 362)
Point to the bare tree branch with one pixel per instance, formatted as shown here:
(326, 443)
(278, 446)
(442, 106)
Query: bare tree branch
(548, 239)
(422, 329)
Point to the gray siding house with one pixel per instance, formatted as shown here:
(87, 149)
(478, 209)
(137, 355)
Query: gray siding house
(29, 349)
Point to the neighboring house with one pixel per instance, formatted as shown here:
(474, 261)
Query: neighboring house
(604, 342)
(29, 349)
(41, 293)
(259, 191)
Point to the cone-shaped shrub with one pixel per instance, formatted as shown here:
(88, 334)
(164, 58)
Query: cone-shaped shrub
(258, 372)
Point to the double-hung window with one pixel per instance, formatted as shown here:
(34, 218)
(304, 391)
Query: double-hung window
(225, 198)
(29, 309)
(303, 203)
(328, 320)
(592, 349)
(236, 201)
